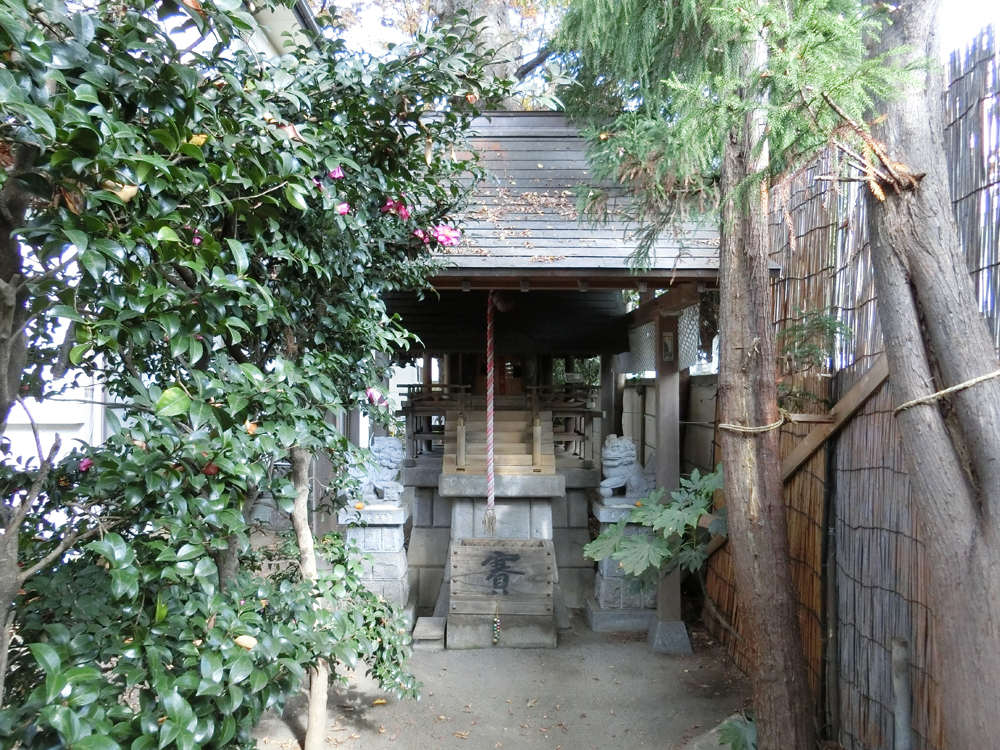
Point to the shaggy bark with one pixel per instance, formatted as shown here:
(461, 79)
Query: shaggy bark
(319, 676)
(936, 337)
(15, 200)
(751, 462)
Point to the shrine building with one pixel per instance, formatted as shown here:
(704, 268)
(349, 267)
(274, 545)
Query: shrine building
(557, 284)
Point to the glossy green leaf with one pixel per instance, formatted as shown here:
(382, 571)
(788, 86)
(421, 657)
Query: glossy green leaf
(172, 403)
(46, 656)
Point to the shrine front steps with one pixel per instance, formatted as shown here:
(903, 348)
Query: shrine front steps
(428, 633)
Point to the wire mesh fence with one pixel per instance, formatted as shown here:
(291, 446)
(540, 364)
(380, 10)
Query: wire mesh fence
(858, 561)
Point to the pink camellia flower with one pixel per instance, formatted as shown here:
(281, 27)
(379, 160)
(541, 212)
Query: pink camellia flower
(396, 207)
(336, 173)
(446, 235)
(86, 463)
(420, 234)
(343, 208)
(375, 397)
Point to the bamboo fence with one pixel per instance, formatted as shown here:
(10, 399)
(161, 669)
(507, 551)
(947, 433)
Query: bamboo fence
(858, 562)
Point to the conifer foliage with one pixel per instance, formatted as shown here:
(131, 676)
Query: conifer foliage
(710, 104)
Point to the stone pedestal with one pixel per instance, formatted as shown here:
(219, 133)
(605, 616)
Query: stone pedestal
(377, 530)
(667, 633)
(619, 601)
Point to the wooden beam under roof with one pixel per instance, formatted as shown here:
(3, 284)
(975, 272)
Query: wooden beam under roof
(539, 279)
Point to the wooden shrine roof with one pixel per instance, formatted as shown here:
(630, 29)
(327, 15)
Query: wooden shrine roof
(522, 230)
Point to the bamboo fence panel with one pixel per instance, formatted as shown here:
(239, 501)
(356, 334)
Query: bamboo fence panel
(859, 494)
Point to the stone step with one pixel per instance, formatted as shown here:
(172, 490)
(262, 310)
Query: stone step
(428, 633)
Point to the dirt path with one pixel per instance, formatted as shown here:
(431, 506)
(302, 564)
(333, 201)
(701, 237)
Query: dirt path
(596, 691)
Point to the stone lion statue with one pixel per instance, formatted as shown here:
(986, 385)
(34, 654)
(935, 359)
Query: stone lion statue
(621, 468)
(378, 477)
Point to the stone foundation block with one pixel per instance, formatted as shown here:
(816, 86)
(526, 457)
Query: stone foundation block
(560, 512)
(541, 519)
(611, 620)
(419, 476)
(389, 565)
(442, 510)
(581, 478)
(577, 584)
(513, 519)
(429, 547)
(516, 631)
(668, 638)
(579, 508)
(569, 548)
(623, 593)
(506, 485)
(423, 506)
(429, 586)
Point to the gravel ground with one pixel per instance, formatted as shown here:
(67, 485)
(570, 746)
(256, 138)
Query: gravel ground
(596, 691)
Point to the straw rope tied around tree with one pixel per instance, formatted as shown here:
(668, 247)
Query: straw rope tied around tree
(743, 430)
(490, 519)
(946, 391)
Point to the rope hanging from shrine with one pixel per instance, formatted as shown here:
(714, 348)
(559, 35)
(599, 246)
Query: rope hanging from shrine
(490, 519)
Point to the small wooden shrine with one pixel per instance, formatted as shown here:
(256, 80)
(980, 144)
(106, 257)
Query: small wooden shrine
(546, 290)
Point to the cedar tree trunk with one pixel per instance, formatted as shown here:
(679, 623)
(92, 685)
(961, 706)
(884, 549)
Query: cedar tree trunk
(935, 337)
(319, 676)
(751, 462)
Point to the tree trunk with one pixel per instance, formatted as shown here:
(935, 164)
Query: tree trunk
(15, 200)
(319, 676)
(494, 33)
(751, 462)
(936, 337)
(228, 560)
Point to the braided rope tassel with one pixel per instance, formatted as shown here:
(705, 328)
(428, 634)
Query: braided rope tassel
(490, 519)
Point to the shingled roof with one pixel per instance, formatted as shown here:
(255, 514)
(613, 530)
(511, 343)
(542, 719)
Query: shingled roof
(522, 229)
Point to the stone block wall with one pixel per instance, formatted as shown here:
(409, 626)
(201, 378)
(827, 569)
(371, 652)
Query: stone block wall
(381, 539)
(612, 588)
(430, 534)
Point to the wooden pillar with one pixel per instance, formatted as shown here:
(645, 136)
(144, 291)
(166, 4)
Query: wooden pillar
(354, 427)
(454, 369)
(545, 369)
(668, 455)
(609, 418)
(619, 405)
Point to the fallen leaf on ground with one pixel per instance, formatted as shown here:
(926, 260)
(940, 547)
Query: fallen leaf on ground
(381, 729)
(532, 702)
(464, 735)
(379, 702)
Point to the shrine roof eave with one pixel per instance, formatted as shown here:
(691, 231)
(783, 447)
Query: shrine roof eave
(538, 279)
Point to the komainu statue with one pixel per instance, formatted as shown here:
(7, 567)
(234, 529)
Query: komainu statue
(622, 469)
(378, 476)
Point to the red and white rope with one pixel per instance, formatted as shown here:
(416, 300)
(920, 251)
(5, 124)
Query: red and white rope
(489, 520)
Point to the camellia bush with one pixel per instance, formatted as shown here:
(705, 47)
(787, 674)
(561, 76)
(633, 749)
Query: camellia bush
(206, 231)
